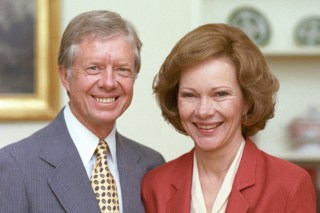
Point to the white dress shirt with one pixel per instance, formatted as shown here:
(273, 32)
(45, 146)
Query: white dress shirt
(86, 143)
(197, 201)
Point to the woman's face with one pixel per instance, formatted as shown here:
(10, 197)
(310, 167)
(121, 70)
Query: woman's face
(211, 105)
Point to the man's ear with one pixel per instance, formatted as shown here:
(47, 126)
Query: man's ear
(63, 75)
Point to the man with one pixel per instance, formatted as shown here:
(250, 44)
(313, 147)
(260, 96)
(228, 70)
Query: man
(50, 171)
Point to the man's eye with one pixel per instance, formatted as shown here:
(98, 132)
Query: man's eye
(92, 69)
(124, 71)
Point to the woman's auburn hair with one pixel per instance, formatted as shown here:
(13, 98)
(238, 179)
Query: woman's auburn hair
(257, 83)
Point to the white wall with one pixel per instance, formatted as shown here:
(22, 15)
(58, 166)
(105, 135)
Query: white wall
(160, 24)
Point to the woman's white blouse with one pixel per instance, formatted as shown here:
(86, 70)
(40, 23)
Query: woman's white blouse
(220, 204)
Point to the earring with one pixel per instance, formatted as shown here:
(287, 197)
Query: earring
(244, 117)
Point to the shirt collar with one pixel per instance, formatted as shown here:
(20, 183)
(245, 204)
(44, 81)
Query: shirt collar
(84, 140)
(221, 200)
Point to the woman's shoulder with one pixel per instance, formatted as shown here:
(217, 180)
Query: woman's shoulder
(284, 167)
(175, 167)
(265, 165)
(271, 163)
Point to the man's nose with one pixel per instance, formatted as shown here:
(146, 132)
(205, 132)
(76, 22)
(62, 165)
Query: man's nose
(108, 79)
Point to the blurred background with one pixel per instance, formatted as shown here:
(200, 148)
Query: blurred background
(288, 33)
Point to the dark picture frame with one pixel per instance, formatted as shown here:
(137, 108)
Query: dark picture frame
(29, 85)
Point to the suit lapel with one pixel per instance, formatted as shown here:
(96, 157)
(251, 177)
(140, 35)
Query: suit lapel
(68, 181)
(130, 175)
(244, 180)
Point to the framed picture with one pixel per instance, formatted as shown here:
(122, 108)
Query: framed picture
(29, 41)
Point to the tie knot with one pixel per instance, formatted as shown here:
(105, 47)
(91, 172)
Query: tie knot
(102, 149)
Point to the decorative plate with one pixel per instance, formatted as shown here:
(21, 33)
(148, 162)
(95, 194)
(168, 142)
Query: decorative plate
(307, 32)
(253, 23)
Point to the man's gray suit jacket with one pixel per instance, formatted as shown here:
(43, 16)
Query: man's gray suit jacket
(44, 173)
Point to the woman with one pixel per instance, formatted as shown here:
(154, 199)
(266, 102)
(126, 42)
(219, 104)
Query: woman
(215, 86)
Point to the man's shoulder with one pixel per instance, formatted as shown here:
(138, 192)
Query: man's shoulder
(32, 143)
(131, 147)
(134, 145)
(29, 144)
(20, 150)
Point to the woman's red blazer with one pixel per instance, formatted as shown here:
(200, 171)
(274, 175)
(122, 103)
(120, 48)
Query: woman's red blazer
(263, 184)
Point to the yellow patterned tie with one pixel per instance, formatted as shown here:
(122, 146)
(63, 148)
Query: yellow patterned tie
(103, 183)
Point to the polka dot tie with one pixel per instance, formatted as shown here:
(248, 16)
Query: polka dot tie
(103, 183)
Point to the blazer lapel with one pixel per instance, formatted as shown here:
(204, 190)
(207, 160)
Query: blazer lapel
(68, 181)
(237, 203)
(244, 180)
(180, 200)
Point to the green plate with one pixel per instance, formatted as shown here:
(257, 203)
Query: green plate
(307, 32)
(253, 23)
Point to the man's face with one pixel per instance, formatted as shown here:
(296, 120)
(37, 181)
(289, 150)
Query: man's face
(101, 84)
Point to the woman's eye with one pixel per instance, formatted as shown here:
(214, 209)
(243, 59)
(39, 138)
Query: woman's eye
(221, 94)
(186, 95)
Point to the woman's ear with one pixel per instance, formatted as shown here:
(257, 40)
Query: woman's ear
(245, 110)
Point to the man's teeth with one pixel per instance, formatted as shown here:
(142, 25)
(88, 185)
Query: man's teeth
(105, 100)
(209, 126)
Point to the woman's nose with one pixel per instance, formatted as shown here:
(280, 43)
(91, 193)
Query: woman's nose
(205, 108)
